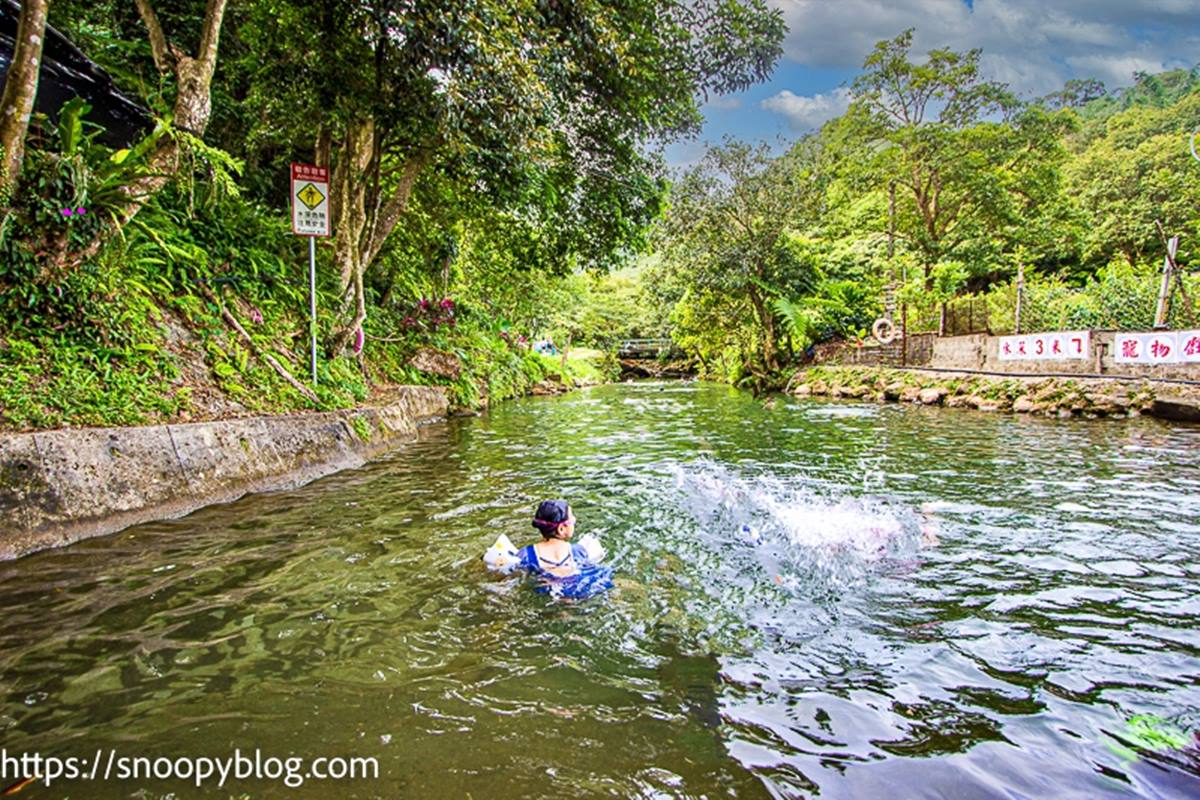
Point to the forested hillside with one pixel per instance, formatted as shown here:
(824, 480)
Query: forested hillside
(479, 152)
(932, 193)
(496, 177)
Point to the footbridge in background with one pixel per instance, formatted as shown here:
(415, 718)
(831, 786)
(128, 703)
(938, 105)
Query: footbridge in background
(644, 348)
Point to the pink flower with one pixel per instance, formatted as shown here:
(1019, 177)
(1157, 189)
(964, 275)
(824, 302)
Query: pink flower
(255, 315)
(447, 303)
(424, 304)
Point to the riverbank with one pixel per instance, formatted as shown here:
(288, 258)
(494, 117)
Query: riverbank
(57, 487)
(1048, 396)
(62, 484)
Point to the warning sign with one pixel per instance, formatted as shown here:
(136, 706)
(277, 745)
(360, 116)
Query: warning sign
(311, 196)
(310, 200)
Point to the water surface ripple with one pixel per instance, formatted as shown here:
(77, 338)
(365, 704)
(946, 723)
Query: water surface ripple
(839, 599)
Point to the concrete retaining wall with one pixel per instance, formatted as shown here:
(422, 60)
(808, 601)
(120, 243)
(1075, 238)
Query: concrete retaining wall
(57, 487)
(979, 351)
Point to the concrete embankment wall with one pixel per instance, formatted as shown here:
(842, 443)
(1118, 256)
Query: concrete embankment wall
(57, 487)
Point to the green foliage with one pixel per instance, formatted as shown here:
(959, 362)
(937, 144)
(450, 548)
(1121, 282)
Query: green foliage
(966, 188)
(1151, 732)
(1148, 91)
(534, 207)
(730, 245)
(1137, 170)
(929, 192)
(67, 190)
(361, 428)
(1117, 297)
(838, 309)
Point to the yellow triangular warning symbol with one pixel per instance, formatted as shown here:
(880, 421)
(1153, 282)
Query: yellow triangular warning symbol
(311, 196)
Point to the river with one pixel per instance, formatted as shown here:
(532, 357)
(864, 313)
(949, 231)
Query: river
(848, 599)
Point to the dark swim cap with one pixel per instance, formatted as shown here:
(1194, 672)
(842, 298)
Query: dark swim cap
(550, 514)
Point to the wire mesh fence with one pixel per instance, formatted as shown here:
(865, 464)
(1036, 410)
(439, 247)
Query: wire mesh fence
(1118, 299)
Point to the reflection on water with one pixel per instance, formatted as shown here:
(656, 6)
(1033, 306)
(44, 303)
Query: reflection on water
(848, 599)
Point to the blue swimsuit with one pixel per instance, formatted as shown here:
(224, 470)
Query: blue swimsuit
(588, 579)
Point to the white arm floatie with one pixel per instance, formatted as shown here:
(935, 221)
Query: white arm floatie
(591, 545)
(501, 556)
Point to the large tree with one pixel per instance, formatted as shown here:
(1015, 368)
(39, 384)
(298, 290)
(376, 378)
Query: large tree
(731, 234)
(192, 76)
(971, 166)
(1137, 171)
(180, 41)
(543, 106)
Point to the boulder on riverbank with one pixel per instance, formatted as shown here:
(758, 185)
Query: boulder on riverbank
(435, 362)
(1052, 397)
(933, 395)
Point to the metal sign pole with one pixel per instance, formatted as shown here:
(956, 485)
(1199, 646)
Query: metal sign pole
(312, 301)
(310, 217)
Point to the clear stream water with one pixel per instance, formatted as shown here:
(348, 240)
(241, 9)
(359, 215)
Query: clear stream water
(845, 654)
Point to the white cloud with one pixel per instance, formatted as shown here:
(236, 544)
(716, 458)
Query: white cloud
(805, 113)
(1032, 44)
(1118, 69)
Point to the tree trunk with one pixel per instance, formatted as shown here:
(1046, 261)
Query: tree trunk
(193, 105)
(391, 211)
(20, 90)
(350, 201)
(362, 220)
(768, 324)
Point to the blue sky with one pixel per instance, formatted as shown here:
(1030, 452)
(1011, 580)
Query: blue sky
(1033, 45)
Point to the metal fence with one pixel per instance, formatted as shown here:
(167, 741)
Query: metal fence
(1121, 302)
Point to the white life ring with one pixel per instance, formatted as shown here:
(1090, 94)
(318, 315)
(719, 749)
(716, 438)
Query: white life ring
(884, 330)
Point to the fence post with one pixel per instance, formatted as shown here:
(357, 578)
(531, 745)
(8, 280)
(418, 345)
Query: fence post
(1164, 292)
(1020, 297)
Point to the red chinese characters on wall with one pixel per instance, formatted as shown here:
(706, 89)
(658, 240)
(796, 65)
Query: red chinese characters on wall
(1045, 346)
(1157, 348)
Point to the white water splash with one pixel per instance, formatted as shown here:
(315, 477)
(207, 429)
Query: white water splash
(800, 534)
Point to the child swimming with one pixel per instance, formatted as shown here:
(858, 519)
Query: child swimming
(563, 569)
